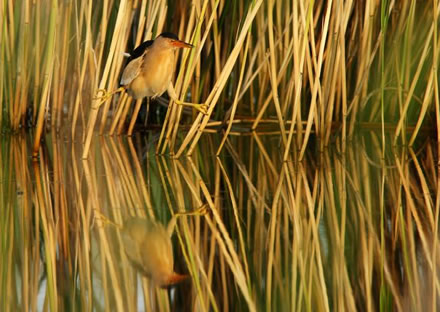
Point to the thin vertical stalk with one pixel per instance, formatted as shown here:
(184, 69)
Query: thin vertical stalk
(47, 80)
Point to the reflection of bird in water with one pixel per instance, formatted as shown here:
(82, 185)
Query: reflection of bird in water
(148, 246)
(149, 249)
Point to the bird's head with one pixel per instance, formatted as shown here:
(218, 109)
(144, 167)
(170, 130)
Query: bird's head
(168, 40)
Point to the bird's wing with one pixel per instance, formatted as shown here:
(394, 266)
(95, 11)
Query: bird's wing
(135, 62)
(132, 70)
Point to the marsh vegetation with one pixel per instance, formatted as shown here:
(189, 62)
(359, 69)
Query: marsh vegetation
(317, 161)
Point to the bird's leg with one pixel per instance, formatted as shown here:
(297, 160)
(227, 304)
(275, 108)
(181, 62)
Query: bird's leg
(106, 95)
(201, 107)
(98, 216)
(198, 212)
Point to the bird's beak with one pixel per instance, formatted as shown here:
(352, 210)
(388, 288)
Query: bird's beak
(181, 44)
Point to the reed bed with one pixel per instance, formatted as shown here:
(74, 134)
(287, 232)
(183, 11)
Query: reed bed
(353, 230)
(312, 67)
(309, 210)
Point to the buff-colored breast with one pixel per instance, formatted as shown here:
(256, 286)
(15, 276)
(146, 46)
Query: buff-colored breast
(155, 75)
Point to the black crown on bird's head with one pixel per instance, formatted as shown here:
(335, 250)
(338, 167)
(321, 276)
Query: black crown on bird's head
(169, 35)
(143, 46)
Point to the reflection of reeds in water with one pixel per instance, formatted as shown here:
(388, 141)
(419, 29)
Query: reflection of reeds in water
(353, 230)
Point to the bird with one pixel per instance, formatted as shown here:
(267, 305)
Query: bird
(149, 249)
(147, 244)
(149, 71)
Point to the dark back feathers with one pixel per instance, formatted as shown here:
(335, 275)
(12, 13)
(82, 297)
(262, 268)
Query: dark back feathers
(139, 50)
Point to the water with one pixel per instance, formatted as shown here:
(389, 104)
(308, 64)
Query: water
(351, 230)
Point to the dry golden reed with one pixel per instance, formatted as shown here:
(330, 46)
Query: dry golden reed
(304, 66)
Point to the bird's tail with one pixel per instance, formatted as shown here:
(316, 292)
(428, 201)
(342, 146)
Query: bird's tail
(175, 278)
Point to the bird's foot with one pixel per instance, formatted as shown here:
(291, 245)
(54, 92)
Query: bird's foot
(201, 211)
(102, 220)
(101, 98)
(203, 108)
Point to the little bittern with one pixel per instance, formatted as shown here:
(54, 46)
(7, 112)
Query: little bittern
(148, 246)
(149, 249)
(150, 69)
